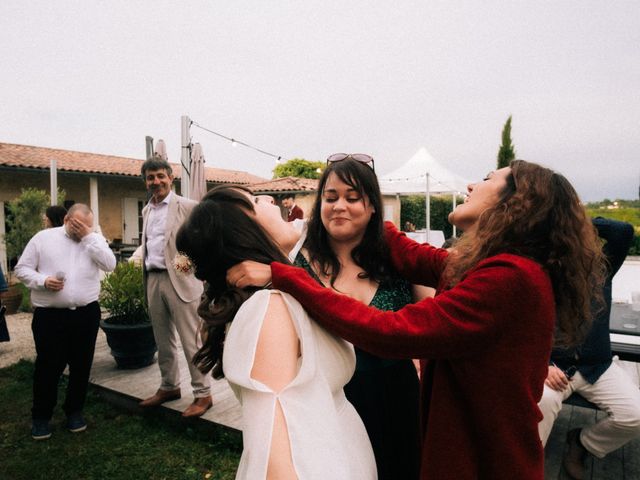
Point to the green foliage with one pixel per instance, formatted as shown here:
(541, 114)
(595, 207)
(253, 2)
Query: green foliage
(506, 152)
(122, 293)
(299, 167)
(635, 246)
(118, 444)
(25, 304)
(618, 203)
(413, 207)
(25, 218)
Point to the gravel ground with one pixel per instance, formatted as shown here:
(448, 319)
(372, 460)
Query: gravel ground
(21, 344)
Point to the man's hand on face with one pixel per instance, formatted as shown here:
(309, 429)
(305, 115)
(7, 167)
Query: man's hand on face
(77, 229)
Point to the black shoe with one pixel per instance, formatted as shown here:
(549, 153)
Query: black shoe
(40, 429)
(76, 423)
(573, 461)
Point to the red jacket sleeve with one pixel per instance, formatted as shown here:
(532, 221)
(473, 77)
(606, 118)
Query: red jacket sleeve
(457, 323)
(420, 263)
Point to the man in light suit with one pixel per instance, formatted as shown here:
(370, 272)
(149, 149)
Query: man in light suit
(172, 297)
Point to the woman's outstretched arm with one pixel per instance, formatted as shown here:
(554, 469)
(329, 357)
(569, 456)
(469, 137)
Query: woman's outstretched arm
(420, 263)
(456, 323)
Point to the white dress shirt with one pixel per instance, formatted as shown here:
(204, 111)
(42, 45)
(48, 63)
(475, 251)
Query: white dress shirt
(51, 251)
(156, 226)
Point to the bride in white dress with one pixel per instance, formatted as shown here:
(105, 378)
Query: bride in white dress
(287, 372)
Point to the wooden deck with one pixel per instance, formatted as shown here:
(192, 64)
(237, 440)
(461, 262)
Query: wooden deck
(623, 464)
(127, 387)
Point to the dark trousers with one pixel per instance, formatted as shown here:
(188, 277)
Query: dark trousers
(63, 337)
(386, 398)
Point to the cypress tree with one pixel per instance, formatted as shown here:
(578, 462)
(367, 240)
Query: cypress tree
(506, 152)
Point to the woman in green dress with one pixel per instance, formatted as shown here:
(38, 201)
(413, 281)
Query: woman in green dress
(345, 250)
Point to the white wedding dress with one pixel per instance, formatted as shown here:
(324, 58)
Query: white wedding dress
(328, 440)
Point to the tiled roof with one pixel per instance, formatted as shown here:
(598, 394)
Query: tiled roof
(286, 184)
(27, 156)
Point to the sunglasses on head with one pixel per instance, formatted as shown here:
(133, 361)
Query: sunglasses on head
(358, 157)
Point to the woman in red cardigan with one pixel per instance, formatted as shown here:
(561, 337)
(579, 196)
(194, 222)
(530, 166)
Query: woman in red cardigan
(519, 279)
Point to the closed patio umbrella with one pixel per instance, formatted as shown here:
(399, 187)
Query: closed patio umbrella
(161, 150)
(197, 181)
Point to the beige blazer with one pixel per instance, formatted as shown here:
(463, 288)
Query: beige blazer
(187, 287)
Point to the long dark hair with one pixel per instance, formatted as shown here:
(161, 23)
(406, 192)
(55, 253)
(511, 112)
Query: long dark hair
(539, 216)
(371, 254)
(221, 232)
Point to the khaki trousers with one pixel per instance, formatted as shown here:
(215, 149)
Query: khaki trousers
(170, 315)
(615, 393)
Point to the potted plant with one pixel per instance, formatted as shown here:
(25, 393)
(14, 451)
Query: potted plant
(128, 328)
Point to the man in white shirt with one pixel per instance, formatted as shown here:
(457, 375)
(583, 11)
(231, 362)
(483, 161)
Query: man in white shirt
(172, 297)
(61, 266)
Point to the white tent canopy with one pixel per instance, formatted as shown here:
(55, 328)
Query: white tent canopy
(412, 177)
(423, 174)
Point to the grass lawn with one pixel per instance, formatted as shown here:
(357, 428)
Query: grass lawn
(116, 445)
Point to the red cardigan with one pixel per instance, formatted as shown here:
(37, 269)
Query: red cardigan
(487, 341)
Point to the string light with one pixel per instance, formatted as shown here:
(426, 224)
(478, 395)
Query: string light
(424, 175)
(235, 142)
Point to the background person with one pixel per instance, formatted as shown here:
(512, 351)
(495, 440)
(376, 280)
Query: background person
(287, 372)
(294, 212)
(61, 266)
(589, 371)
(172, 298)
(524, 270)
(54, 216)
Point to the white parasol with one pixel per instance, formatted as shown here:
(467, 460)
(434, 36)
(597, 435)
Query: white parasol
(197, 181)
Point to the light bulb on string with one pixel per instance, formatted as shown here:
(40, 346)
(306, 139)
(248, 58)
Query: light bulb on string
(234, 143)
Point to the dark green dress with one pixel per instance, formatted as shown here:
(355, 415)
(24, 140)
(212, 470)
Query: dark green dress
(385, 394)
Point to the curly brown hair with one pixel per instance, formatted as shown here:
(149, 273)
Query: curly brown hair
(540, 216)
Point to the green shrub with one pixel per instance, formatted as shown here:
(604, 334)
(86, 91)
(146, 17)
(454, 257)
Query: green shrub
(635, 246)
(25, 219)
(25, 304)
(122, 294)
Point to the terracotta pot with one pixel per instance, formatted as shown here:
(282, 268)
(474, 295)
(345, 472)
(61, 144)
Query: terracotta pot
(12, 299)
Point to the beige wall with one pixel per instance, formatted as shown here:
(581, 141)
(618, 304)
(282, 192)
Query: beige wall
(111, 191)
(111, 194)
(392, 207)
(305, 202)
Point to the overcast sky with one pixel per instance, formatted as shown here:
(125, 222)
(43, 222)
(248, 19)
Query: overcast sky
(310, 78)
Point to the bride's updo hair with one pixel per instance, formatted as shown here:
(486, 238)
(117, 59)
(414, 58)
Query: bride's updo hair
(220, 232)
